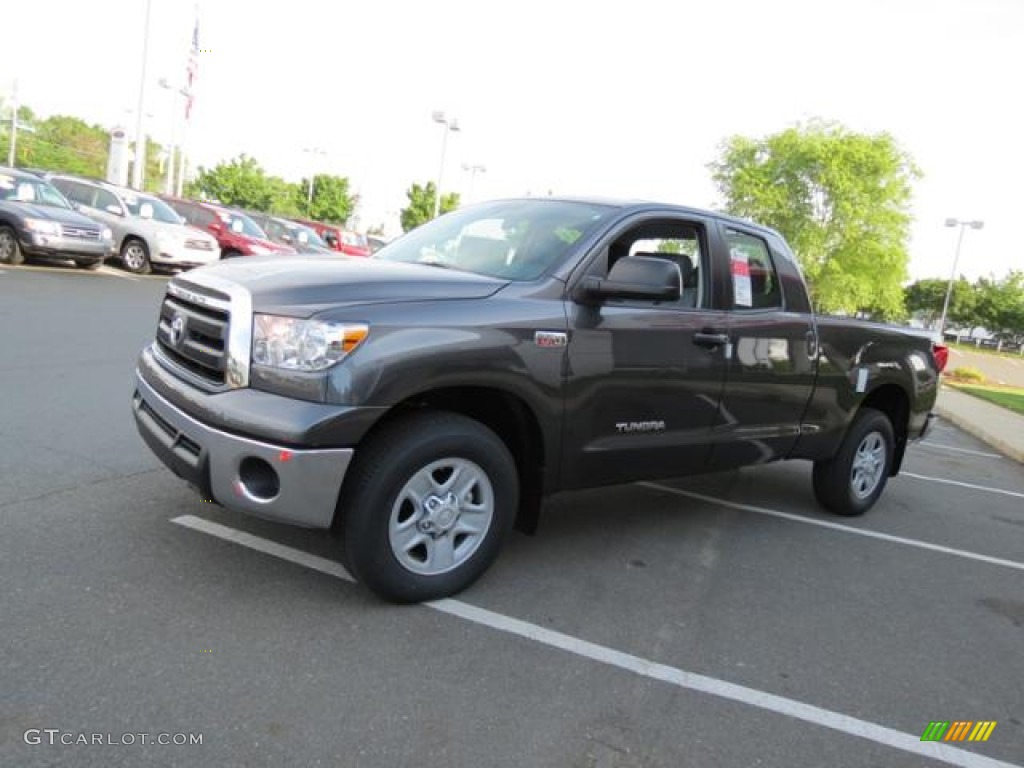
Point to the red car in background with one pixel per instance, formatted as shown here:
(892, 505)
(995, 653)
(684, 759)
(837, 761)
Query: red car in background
(342, 240)
(236, 233)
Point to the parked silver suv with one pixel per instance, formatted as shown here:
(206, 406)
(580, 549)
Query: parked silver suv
(148, 233)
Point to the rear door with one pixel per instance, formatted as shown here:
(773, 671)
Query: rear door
(770, 366)
(642, 383)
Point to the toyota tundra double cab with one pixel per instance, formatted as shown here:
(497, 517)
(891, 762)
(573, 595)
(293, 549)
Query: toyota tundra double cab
(425, 401)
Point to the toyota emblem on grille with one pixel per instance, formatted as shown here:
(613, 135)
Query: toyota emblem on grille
(177, 330)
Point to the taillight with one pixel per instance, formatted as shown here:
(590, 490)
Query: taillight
(941, 354)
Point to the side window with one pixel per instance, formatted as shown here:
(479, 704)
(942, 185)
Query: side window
(76, 193)
(755, 284)
(676, 241)
(104, 199)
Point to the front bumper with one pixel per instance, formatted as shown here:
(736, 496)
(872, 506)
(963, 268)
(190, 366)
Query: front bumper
(59, 247)
(172, 254)
(281, 483)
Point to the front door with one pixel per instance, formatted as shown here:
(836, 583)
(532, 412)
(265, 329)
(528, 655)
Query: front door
(643, 383)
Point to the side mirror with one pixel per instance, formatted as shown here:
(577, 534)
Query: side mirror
(216, 226)
(635, 277)
(113, 209)
(146, 211)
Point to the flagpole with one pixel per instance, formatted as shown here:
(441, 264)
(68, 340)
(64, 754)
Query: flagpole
(140, 139)
(193, 66)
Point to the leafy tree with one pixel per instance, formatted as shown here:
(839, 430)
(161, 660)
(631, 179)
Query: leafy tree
(999, 305)
(241, 182)
(333, 202)
(841, 201)
(421, 205)
(925, 297)
(69, 145)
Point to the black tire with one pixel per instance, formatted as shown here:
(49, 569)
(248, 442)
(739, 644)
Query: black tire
(851, 481)
(92, 266)
(10, 248)
(232, 254)
(376, 506)
(135, 256)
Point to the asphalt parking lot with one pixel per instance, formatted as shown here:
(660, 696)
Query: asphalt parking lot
(716, 621)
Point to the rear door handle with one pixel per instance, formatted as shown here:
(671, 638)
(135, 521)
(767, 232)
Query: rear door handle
(708, 339)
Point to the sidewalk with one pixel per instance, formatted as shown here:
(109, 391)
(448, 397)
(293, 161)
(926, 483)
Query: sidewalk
(999, 427)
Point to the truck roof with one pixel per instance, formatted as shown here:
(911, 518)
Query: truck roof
(635, 205)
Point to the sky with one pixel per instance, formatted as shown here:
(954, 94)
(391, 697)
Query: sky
(627, 99)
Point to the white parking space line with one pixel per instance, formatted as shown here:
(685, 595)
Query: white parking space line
(972, 486)
(645, 668)
(840, 527)
(944, 447)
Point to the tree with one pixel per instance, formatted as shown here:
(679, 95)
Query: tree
(999, 305)
(333, 202)
(841, 201)
(421, 205)
(242, 182)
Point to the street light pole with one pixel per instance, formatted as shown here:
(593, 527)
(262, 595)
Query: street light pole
(140, 139)
(956, 259)
(450, 124)
(14, 125)
(309, 194)
(473, 171)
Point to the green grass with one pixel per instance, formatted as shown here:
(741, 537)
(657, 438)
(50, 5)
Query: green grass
(1007, 397)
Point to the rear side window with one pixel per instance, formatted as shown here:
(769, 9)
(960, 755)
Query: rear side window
(76, 193)
(755, 284)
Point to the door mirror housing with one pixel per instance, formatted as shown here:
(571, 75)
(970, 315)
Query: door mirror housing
(113, 209)
(635, 277)
(146, 211)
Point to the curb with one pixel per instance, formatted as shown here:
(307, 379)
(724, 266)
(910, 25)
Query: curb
(981, 433)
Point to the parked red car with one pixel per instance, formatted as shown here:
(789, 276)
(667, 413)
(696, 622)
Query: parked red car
(236, 233)
(342, 240)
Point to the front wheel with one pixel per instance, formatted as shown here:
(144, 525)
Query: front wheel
(427, 506)
(135, 257)
(851, 481)
(10, 249)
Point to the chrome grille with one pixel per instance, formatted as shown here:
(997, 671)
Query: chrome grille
(199, 245)
(195, 336)
(80, 233)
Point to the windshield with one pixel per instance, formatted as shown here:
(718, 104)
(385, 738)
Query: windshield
(161, 210)
(34, 191)
(306, 235)
(516, 240)
(242, 224)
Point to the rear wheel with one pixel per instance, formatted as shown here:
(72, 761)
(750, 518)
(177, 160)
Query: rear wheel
(427, 506)
(851, 481)
(135, 257)
(10, 249)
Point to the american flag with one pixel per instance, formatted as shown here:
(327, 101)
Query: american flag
(193, 67)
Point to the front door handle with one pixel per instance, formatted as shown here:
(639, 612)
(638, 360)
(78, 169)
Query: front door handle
(711, 340)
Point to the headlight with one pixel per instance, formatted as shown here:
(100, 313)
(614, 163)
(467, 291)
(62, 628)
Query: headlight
(259, 250)
(42, 226)
(303, 345)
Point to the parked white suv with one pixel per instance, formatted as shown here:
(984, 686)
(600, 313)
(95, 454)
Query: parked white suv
(147, 232)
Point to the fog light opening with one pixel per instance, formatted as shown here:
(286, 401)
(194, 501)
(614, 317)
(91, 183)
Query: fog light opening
(258, 479)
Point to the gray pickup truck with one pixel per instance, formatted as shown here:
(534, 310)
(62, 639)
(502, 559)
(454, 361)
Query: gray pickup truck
(424, 402)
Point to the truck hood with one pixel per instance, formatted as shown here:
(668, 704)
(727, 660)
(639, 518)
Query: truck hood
(303, 285)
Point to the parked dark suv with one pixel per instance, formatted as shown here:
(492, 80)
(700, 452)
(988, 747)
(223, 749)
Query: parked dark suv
(37, 220)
